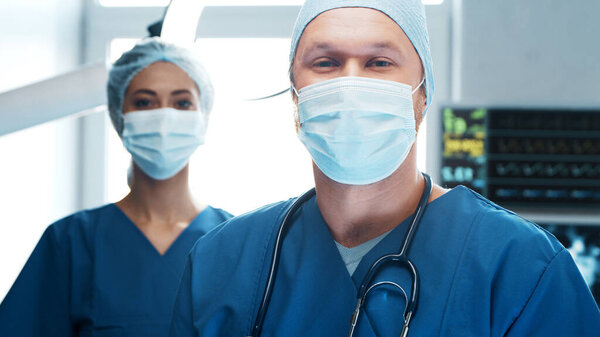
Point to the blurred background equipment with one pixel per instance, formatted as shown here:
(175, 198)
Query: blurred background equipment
(524, 157)
(583, 242)
(538, 157)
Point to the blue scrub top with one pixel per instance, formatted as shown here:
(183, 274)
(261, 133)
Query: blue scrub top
(94, 273)
(484, 272)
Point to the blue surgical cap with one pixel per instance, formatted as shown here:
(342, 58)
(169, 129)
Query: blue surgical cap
(145, 53)
(408, 14)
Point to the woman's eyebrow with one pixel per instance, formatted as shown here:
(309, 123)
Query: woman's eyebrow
(181, 91)
(145, 91)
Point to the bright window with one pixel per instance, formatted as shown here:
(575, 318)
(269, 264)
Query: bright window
(37, 187)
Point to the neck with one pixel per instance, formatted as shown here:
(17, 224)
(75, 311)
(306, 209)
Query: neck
(161, 201)
(357, 214)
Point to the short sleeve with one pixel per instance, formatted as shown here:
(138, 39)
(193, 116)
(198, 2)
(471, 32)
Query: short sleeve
(182, 320)
(560, 305)
(38, 302)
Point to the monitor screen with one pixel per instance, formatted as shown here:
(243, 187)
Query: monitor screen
(463, 157)
(524, 157)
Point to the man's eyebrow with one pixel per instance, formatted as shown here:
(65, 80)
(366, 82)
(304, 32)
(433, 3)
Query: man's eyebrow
(388, 45)
(384, 45)
(320, 45)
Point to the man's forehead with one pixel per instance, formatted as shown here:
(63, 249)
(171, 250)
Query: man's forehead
(329, 45)
(357, 28)
(354, 16)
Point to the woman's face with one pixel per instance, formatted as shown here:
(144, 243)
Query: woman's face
(161, 85)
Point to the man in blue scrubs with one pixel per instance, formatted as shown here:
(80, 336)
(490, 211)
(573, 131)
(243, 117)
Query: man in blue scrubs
(362, 79)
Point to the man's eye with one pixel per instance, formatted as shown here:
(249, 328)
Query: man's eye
(183, 104)
(381, 63)
(324, 64)
(142, 103)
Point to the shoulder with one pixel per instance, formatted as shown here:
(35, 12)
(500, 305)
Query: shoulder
(80, 226)
(510, 231)
(241, 245)
(207, 220)
(219, 213)
(506, 252)
(242, 240)
(243, 230)
(504, 261)
(499, 247)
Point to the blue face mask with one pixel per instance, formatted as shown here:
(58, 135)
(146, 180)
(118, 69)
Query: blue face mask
(357, 130)
(161, 141)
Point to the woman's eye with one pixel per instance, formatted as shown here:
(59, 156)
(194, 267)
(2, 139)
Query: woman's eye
(142, 103)
(183, 104)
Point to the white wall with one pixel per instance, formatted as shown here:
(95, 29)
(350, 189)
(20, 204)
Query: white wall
(534, 52)
(38, 173)
(39, 39)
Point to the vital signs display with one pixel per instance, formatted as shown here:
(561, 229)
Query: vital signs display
(463, 160)
(524, 157)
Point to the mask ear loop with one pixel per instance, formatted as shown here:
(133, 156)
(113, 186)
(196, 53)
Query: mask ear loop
(296, 111)
(267, 97)
(418, 86)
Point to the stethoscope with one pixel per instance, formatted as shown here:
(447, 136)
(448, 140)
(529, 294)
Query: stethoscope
(401, 259)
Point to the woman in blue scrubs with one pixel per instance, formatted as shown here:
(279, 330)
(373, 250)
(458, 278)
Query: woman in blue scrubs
(114, 270)
(358, 67)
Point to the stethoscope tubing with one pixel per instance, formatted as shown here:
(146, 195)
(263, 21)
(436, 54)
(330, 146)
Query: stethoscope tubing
(283, 229)
(401, 257)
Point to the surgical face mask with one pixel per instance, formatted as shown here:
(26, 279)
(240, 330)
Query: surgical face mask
(161, 141)
(357, 130)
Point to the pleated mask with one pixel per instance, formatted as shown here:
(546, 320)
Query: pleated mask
(161, 141)
(357, 130)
